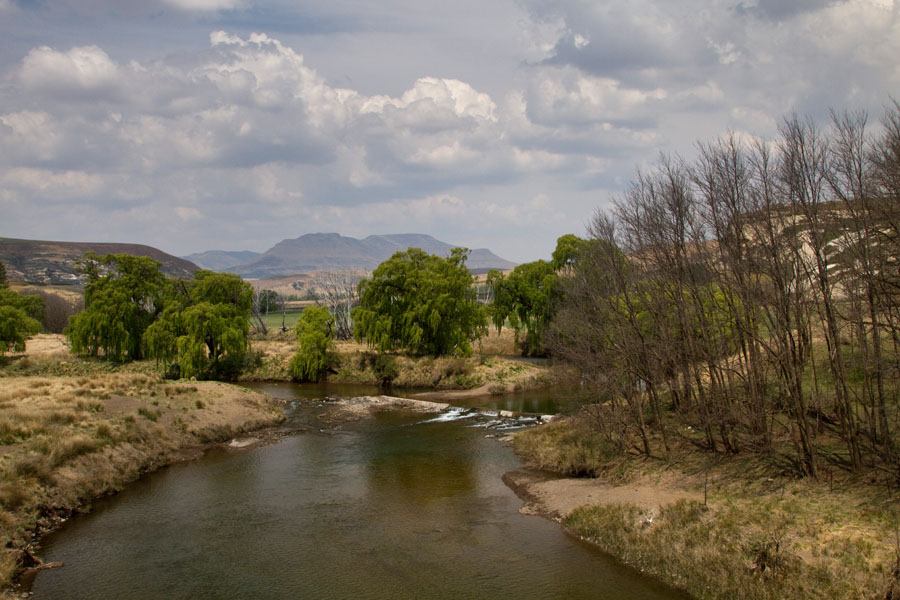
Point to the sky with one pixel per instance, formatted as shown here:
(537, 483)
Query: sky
(194, 125)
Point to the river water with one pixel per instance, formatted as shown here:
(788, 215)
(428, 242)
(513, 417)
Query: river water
(399, 506)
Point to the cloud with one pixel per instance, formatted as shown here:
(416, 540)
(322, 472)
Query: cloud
(570, 97)
(430, 118)
(84, 72)
(188, 213)
(204, 5)
(53, 184)
(430, 94)
(777, 10)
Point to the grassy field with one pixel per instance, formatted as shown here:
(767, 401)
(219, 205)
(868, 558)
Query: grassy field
(274, 321)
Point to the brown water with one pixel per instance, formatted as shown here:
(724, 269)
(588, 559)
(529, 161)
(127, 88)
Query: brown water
(393, 507)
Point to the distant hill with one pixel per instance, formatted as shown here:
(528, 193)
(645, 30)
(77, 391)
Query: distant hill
(334, 252)
(54, 263)
(220, 260)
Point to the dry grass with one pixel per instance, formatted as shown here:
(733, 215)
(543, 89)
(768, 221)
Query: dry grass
(570, 448)
(759, 535)
(67, 439)
(498, 344)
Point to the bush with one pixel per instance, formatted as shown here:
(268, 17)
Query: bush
(386, 369)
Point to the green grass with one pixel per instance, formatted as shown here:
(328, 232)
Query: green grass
(274, 320)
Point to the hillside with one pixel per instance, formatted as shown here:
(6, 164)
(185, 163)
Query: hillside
(55, 263)
(334, 252)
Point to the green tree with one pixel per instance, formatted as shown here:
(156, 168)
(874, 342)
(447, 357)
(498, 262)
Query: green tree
(525, 298)
(316, 351)
(568, 248)
(19, 319)
(123, 296)
(32, 305)
(204, 329)
(269, 301)
(4, 282)
(422, 303)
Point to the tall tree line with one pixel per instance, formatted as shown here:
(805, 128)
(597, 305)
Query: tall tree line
(753, 292)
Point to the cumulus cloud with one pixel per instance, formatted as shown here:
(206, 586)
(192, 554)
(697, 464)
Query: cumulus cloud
(248, 134)
(571, 97)
(82, 72)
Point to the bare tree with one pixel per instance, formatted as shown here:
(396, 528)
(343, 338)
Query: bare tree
(754, 290)
(257, 308)
(338, 291)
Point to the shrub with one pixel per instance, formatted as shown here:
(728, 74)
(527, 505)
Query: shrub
(386, 369)
(149, 413)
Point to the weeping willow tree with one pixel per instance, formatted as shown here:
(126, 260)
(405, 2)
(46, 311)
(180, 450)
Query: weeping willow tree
(204, 329)
(421, 303)
(315, 351)
(123, 296)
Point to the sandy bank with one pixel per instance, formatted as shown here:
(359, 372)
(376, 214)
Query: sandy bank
(557, 497)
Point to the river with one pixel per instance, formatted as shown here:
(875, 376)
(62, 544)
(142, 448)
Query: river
(394, 507)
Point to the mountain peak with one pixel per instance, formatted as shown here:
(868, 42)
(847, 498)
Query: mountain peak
(335, 252)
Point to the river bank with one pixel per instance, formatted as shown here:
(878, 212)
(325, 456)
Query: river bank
(494, 369)
(718, 529)
(72, 431)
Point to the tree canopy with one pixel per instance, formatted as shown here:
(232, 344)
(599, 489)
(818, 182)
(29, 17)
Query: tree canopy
(123, 296)
(132, 310)
(421, 303)
(204, 329)
(19, 319)
(527, 297)
(524, 298)
(568, 247)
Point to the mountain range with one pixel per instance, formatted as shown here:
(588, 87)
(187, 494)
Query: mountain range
(334, 252)
(56, 263)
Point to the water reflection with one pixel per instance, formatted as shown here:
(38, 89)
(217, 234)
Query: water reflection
(398, 463)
